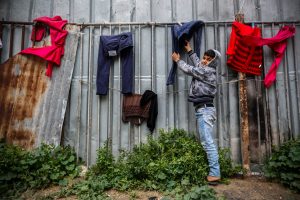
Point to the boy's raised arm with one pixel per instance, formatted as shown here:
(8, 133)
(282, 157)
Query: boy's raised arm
(195, 59)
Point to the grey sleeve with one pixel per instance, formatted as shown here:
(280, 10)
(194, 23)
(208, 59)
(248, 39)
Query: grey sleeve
(195, 59)
(197, 72)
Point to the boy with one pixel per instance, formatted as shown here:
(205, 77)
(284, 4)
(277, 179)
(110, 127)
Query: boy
(202, 92)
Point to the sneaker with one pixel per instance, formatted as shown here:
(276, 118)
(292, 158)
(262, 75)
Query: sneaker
(213, 178)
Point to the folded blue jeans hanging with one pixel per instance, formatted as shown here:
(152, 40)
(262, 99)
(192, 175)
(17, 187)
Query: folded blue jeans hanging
(110, 46)
(179, 35)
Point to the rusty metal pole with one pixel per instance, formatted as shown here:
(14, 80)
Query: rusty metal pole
(243, 104)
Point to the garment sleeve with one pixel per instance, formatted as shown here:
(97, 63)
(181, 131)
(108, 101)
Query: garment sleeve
(196, 72)
(194, 58)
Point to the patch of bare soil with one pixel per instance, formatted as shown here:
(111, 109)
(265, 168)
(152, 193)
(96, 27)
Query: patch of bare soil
(137, 195)
(42, 194)
(249, 188)
(113, 194)
(254, 188)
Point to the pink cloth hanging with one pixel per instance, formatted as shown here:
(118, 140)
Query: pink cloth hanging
(58, 36)
(278, 44)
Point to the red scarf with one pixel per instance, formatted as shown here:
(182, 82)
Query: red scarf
(278, 44)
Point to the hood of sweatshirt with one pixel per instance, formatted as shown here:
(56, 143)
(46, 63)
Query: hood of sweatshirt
(216, 61)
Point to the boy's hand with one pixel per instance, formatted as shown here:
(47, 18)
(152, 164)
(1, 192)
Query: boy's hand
(175, 57)
(187, 46)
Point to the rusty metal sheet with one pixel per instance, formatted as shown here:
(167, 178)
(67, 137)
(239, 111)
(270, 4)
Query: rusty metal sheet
(32, 105)
(23, 85)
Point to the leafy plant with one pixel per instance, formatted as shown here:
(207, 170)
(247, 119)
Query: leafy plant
(195, 192)
(20, 169)
(284, 164)
(174, 163)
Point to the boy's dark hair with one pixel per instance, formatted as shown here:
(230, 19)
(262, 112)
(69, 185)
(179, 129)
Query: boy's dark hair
(211, 53)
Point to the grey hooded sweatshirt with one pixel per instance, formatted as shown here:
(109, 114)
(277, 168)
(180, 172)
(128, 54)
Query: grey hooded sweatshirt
(203, 86)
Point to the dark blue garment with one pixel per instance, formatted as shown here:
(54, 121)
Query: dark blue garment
(179, 35)
(111, 46)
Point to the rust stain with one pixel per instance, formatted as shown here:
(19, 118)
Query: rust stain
(22, 84)
(23, 138)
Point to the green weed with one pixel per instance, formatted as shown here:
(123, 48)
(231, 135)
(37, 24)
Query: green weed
(284, 164)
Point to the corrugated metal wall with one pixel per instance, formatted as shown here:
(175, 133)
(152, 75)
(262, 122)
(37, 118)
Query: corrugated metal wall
(273, 113)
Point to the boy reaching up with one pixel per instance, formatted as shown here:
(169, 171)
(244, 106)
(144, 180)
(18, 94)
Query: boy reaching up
(202, 92)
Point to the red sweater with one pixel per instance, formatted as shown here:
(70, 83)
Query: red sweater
(243, 57)
(58, 36)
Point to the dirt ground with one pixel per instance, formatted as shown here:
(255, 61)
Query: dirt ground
(255, 188)
(250, 188)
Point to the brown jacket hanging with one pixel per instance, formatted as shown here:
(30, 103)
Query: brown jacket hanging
(132, 111)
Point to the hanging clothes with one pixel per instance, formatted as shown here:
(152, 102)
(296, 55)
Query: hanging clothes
(150, 96)
(132, 110)
(278, 44)
(110, 46)
(181, 33)
(53, 53)
(242, 56)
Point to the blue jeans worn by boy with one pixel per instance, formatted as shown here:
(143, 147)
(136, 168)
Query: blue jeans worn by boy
(110, 46)
(206, 117)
